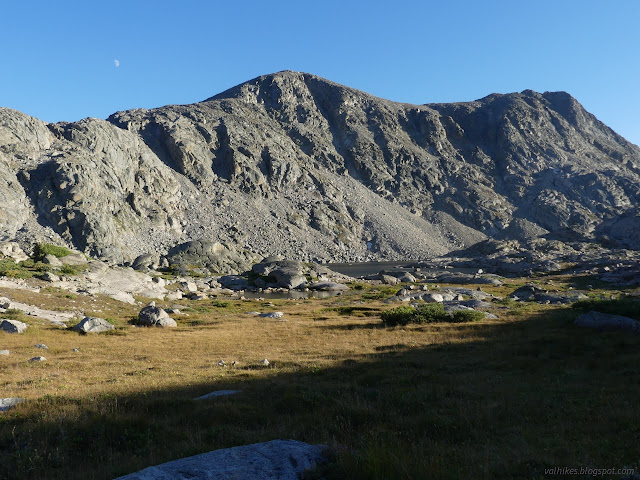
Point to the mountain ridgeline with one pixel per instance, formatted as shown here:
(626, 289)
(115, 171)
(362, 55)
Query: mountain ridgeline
(296, 165)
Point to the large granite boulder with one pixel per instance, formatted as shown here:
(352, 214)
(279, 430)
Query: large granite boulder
(152, 316)
(274, 460)
(13, 326)
(282, 273)
(606, 321)
(93, 325)
(215, 256)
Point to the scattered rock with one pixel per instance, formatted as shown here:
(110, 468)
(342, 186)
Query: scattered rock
(75, 350)
(13, 326)
(265, 363)
(42, 346)
(274, 460)
(93, 325)
(7, 403)
(38, 359)
(4, 352)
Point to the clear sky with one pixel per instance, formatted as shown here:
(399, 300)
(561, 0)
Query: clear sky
(73, 59)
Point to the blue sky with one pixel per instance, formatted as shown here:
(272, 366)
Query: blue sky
(58, 59)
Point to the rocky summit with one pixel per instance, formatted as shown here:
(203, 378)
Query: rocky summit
(292, 164)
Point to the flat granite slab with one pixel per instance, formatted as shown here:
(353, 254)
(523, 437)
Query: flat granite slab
(274, 460)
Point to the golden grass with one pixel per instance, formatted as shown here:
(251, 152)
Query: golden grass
(492, 399)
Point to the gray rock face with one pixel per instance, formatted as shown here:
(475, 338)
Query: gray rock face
(274, 460)
(93, 325)
(295, 165)
(13, 326)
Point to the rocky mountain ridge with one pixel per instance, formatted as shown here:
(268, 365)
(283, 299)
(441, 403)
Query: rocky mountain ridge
(295, 165)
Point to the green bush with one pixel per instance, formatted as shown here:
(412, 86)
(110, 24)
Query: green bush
(463, 316)
(625, 306)
(427, 313)
(397, 316)
(430, 313)
(9, 268)
(42, 249)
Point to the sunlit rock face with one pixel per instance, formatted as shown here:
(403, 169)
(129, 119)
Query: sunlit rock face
(291, 164)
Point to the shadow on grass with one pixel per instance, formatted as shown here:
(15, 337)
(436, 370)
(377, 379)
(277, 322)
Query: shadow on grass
(529, 395)
(370, 325)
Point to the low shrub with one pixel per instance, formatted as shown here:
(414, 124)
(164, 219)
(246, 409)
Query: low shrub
(9, 268)
(398, 316)
(42, 249)
(430, 313)
(427, 313)
(463, 316)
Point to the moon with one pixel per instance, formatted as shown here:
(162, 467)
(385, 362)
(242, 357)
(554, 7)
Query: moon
(116, 62)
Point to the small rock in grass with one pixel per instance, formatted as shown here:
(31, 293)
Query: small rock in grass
(272, 315)
(38, 359)
(265, 363)
(4, 352)
(42, 346)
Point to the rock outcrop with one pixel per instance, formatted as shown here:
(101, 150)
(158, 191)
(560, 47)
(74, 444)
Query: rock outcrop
(296, 165)
(277, 459)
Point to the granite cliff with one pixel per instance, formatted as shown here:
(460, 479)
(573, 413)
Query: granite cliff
(296, 165)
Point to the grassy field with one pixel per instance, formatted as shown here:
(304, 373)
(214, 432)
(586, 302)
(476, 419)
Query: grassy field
(494, 399)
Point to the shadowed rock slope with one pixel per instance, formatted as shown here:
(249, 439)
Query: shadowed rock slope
(295, 165)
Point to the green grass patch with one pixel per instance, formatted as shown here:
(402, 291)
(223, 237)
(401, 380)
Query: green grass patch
(42, 249)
